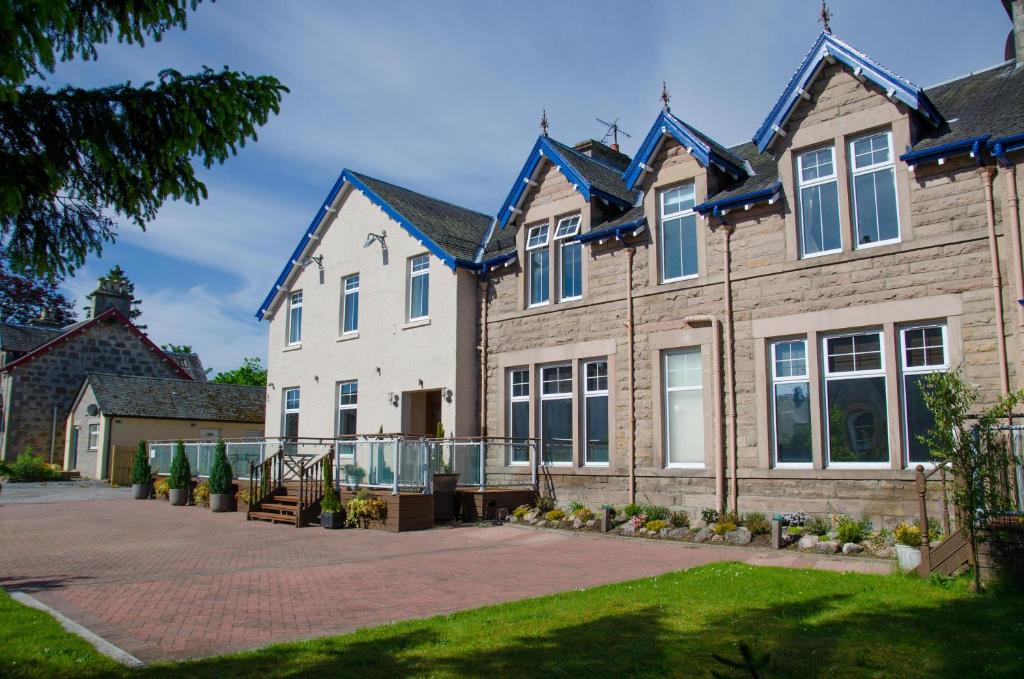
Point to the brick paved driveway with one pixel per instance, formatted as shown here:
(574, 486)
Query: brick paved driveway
(173, 582)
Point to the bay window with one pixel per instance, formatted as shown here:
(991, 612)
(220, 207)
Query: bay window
(419, 287)
(684, 408)
(924, 351)
(519, 415)
(295, 317)
(678, 234)
(855, 400)
(874, 190)
(350, 305)
(537, 264)
(791, 404)
(570, 258)
(556, 422)
(595, 412)
(819, 203)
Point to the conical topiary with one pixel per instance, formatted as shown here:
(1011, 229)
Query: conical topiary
(330, 503)
(181, 471)
(220, 470)
(141, 472)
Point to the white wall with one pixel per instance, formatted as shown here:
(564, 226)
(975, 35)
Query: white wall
(389, 355)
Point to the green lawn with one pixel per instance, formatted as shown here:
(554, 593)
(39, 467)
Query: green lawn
(813, 623)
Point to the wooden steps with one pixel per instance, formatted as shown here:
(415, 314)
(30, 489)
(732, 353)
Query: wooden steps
(281, 508)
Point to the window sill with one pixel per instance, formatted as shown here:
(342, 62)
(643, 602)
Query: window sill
(293, 347)
(345, 337)
(793, 465)
(878, 244)
(859, 465)
(419, 322)
(824, 253)
(681, 279)
(596, 465)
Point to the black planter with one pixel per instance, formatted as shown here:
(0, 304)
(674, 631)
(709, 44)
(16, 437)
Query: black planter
(332, 519)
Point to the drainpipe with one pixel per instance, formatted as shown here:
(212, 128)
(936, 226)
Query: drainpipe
(630, 252)
(997, 281)
(716, 404)
(730, 375)
(484, 287)
(1013, 208)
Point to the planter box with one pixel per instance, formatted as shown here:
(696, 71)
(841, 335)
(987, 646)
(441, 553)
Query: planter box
(332, 519)
(222, 502)
(140, 491)
(178, 496)
(908, 557)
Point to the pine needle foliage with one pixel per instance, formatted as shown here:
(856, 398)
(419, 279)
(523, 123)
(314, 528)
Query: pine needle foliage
(220, 470)
(141, 471)
(181, 471)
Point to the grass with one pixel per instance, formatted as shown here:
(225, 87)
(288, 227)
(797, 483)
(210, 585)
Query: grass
(813, 623)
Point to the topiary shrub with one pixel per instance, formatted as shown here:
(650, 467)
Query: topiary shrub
(656, 525)
(201, 495)
(680, 519)
(757, 523)
(330, 503)
(181, 471)
(555, 514)
(141, 471)
(220, 470)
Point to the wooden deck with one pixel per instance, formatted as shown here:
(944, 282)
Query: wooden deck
(406, 511)
(477, 505)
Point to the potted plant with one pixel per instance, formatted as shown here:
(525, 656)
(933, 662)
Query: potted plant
(353, 476)
(220, 481)
(181, 476)
(364, 508)
(332, 514)
(141, 473)
(908, 546)
(444, 480)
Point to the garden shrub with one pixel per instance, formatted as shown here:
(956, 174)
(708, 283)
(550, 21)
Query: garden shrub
(181, 471)
(243, 496)
(654, 512)
(141, 472)
(545, 504)
(818, 525)
(30, 467)
(680, 519)
(161, 488)
(555, 514)
(575, 506)
(220, 470)
(729, 517)
(656, 525)
(366, 508)
(907, 534)
(631, 510)
(850, 529)
(709, 516)
(723, 527)
(201, 495)
(330, 503)
(795, 530)
(520, 511)
(583, 514)
(757, 523)
(934, 528)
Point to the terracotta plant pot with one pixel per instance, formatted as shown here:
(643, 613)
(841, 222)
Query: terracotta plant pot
(222, 502)
(178, 496)
(140, 491)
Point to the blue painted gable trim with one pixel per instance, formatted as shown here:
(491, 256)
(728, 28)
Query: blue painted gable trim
(828, 45)
(617, 232)
(956, 148)
(666, 123)
(542, 150)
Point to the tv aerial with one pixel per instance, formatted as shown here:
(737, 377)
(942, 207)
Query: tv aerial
(613, 132)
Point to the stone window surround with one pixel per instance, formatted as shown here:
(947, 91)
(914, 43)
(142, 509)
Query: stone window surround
(839, 133)
(576, 355)
(890, 317)
(551, 213)
(665, 179)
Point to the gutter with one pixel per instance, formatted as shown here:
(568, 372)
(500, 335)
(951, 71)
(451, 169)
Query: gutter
(716, 207)
(633, 228)
(950, 150)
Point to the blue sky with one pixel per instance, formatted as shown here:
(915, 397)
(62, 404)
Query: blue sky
(445, 97)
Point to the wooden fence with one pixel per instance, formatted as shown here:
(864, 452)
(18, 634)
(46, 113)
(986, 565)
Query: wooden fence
(121, 458)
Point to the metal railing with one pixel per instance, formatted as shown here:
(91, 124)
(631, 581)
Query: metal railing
(240, 453)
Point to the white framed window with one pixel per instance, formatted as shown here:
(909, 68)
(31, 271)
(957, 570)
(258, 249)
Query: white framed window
(290, 418)
(348, 403)
(875, 210)
(556, 426)
(94, 436)
(923, 349)
(570, 258)
(820, 233)
(684, 409)
(678, 234)
(856, 411)
(791, 404)
(295, 317)
(537, 262)
(595, 413)
(419, 287)
(519, 415)
(350, 305)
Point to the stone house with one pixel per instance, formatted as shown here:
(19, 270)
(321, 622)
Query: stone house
(373, 321)
(747, 326)
(42, 368)
(117, 411)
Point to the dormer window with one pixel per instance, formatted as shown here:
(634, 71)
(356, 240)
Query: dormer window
(819, 203)
(678, 234)
(570, 258)
(874, 190)
(538, 265)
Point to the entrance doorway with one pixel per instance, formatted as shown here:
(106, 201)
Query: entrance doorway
(422, 412)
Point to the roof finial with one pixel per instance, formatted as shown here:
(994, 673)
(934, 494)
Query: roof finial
(665, 97)
(825, 17)
(544, 122)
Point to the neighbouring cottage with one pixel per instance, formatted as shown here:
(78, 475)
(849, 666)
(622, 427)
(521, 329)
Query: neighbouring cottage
(117, 411)
(42, 368)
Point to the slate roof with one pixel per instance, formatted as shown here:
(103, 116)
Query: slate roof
(602, 177)
(191, 364)
(985, 102)
(765, 173)
(25, 338)
(456, 229)
(166, 398)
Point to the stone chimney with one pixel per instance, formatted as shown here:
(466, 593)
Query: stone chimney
(1015, 40)
(609, 155)
(111, 294)
(46, 320)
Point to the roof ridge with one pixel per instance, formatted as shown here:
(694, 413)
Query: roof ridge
(586, 157)
(363, 175)
(170, 379)
(969, 74)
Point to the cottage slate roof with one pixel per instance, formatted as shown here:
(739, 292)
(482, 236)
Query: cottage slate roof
(25, 338)
(168, 398)
(456, 229)
(765, 172)
(601, 176)
(190, 363)
(980, 103)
